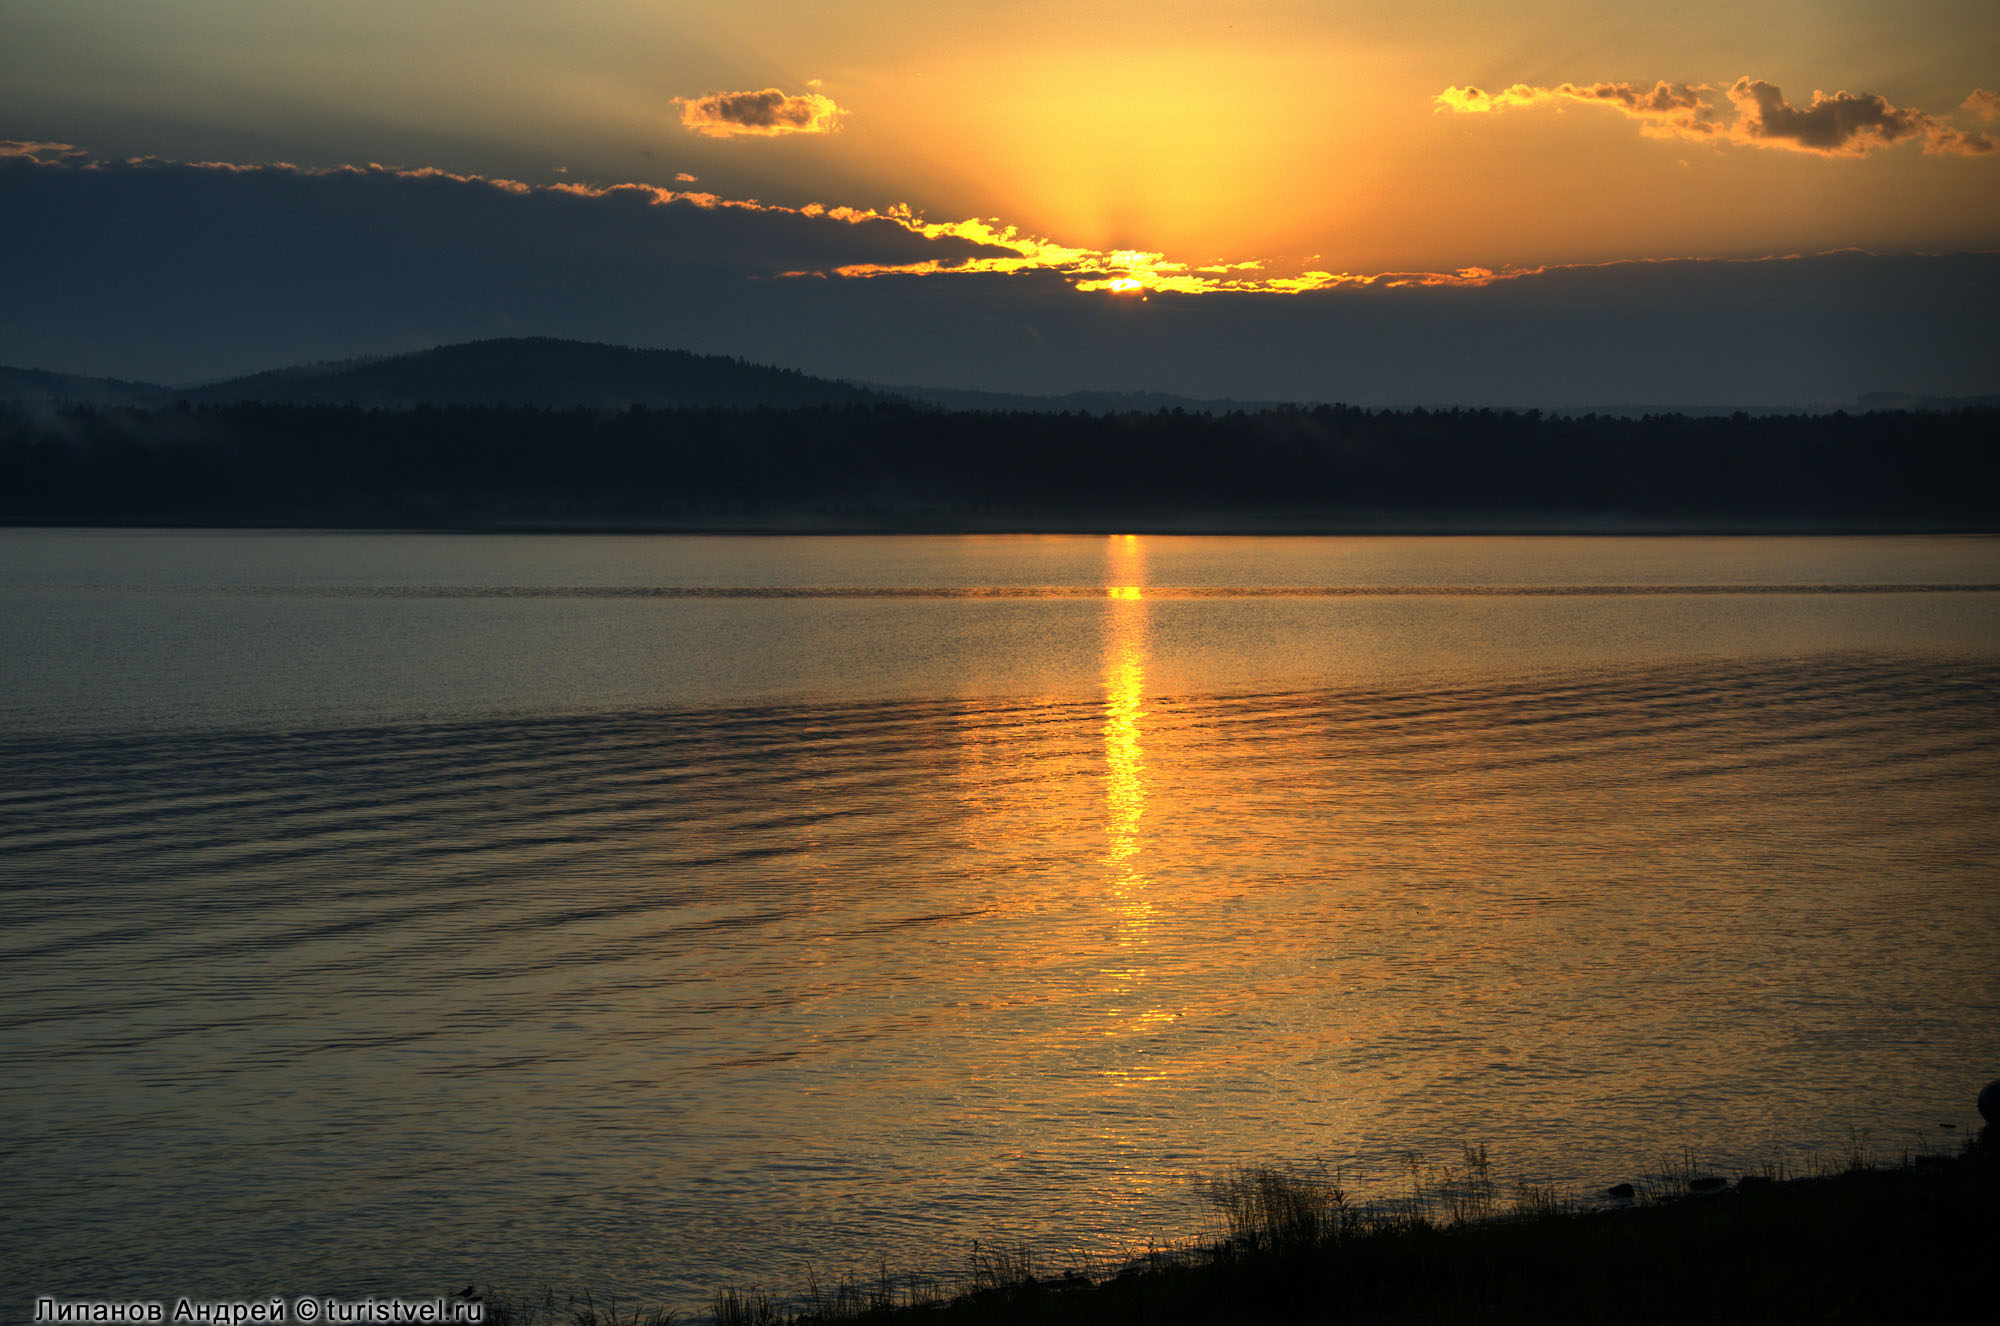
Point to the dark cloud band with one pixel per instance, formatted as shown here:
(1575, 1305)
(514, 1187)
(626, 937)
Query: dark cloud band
(182, 272)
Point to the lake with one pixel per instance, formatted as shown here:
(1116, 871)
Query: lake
(646, 914)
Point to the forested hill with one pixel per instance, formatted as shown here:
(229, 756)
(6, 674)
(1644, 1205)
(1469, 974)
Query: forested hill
(525, 371)
(32, 386)
(537, 371)
(550, 373)
(900, 467)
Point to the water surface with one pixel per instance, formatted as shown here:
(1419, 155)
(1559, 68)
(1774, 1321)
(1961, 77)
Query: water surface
(642, 914)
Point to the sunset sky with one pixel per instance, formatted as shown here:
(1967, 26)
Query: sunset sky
(1279, 147)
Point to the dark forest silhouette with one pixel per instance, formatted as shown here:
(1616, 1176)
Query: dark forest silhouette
(893, 466)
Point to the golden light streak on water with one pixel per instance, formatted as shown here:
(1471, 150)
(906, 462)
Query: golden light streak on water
(1126, 781)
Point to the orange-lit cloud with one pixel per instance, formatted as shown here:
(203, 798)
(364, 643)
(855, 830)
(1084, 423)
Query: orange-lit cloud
(1754, 112)
(405, 258)
(1136, 272)
(37, 151)
(1681, 109)
(969, 247)
(764, 114)
(854, 243)
(1982, 103)
(1841, 124)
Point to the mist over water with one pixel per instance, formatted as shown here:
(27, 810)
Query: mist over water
(640, 915)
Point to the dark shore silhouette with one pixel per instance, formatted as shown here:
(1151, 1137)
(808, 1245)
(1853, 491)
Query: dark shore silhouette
(1850, 1241)
(535, 433)
(890, 467)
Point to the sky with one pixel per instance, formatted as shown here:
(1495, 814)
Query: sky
(1287, 162)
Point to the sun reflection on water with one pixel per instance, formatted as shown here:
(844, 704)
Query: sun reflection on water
(1125, 783)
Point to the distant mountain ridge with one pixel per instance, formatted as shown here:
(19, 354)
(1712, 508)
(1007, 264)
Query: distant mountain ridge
(550, 373)
(536, 371)
(34, 386)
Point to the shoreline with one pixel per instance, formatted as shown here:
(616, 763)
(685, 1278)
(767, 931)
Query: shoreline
(867, 469)
(1853, 1241)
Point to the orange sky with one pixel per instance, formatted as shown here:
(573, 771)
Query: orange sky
(1308, 137)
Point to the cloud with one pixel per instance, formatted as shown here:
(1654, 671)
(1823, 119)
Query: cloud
(764, 114)
(184, 272)
(42, 152)
(836, 233)
(1752, 112)
(743, 239)
(1682, 109)
(1841, 124)
(764, 240)
(350, 259)
(1983, 104)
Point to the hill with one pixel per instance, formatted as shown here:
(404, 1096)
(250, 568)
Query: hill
(536, 371)
(32, 386)
(549, 373)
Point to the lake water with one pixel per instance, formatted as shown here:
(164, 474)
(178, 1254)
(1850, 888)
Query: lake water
(646, 914)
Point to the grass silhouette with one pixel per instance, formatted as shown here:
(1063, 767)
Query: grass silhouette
(1836, 1238)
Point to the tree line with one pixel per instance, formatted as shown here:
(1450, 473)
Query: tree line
(894, 466)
